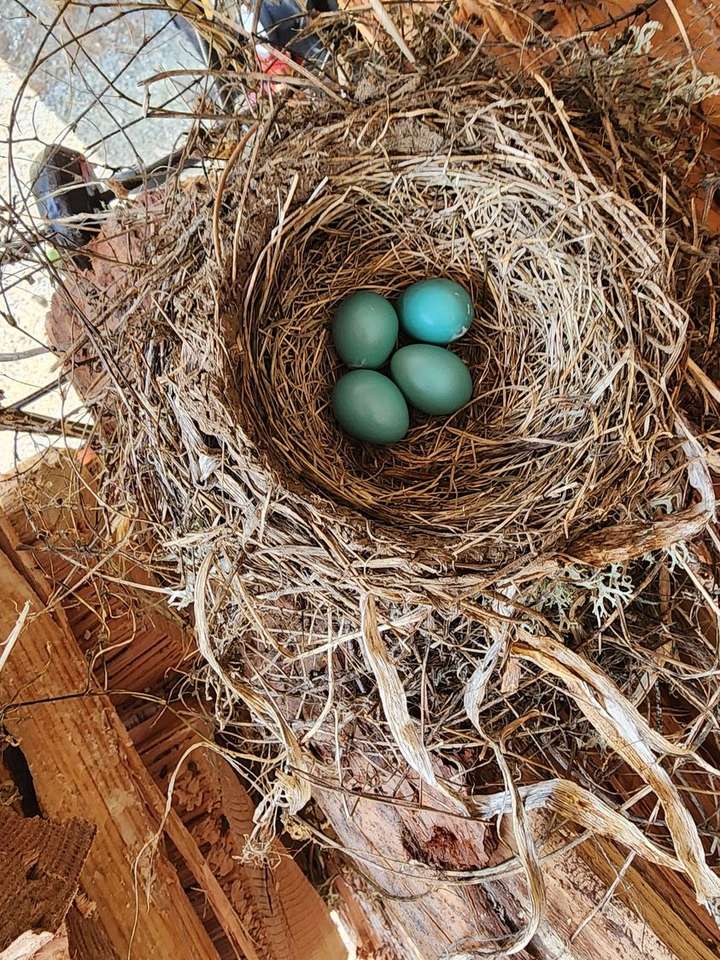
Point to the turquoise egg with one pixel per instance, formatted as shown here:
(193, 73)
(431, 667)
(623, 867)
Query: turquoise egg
(431, 378)
(365, 330)
(435, 311)
(369, 406)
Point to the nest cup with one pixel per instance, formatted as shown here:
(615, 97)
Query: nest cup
(572, 349)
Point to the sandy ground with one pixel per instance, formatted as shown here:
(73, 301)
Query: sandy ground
(86, 93)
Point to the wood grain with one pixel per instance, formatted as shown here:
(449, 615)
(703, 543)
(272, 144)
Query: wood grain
(80, 757)
(280, 910)
(135, 643)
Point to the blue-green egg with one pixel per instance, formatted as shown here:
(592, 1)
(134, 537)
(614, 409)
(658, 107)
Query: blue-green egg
(369, 407)
(431, 378)
(365, 330)
(435, 311)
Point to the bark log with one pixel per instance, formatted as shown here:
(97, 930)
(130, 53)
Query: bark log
(41, 862)
(657, 902)
(404, 916)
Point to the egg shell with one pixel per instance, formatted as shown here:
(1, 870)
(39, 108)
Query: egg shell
(369, 406)
(431, 378)
(365, 330)
(435, 311)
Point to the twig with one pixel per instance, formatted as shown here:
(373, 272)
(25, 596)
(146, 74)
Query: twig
(23, 422)
(388, 24)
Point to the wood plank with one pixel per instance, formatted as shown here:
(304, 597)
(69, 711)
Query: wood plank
(654, 903)
(279, 908)
(47, 520)
(84, 765)
(145, 642)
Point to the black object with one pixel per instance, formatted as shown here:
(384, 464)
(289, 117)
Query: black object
(22, 779)
(283, 20)
(156, 173)
(62, 183)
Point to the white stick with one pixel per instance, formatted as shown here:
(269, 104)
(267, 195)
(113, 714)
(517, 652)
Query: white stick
(14, 634)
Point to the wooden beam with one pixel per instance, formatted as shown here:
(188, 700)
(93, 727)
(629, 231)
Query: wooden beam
(264, 914)
(84, 765)
(655, 904)
(52, 502)
(278, 907)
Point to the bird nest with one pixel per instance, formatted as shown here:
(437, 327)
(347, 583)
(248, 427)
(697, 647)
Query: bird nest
(573, 350)
(525, 528)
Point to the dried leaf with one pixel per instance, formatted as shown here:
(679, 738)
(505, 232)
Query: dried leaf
(625, 731)
(404, 729)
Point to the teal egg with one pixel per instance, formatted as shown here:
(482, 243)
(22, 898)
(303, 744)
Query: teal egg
(369, 406)
(431, 378)
(435, 311)
(365, 330)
